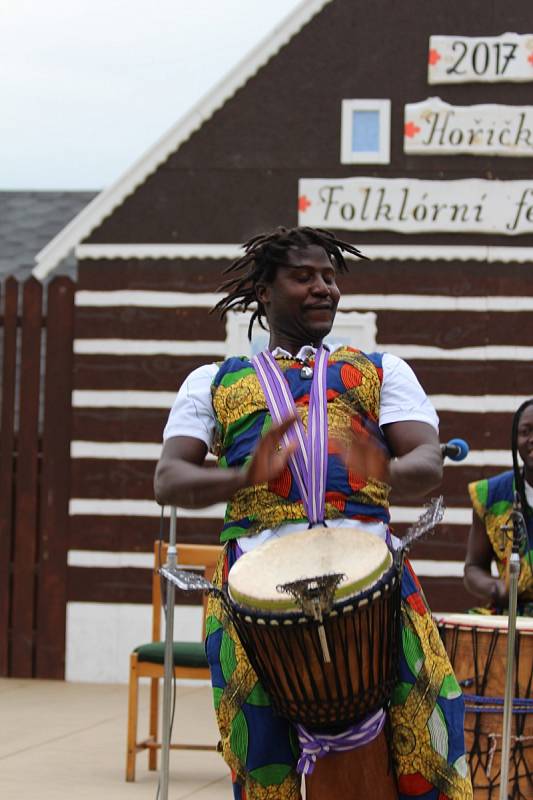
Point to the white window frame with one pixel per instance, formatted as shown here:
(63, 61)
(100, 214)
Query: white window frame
(382, 156)
(354, 328)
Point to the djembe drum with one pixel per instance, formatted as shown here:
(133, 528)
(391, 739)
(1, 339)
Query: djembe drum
(318, 615)
(477, 648)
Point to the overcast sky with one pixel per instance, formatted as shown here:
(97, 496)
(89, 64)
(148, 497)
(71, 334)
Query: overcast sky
(88, 85)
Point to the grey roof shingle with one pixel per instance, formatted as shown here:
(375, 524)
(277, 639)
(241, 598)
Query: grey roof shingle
(28, 220)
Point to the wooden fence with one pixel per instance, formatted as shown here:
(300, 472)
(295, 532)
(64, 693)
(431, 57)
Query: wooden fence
(38, 324)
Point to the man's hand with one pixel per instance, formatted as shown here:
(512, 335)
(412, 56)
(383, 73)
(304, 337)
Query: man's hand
(364, 457)
(271, 456)
(499, 594)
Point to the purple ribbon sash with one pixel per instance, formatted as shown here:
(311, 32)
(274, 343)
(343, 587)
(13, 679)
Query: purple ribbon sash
(308, 463)
(317, 745)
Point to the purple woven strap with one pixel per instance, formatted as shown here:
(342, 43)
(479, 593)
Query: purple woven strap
(477, 704)
(317, 745)
(308, 463)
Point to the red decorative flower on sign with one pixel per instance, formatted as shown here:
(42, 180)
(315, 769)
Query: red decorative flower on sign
(303, 203)
(530, 59)
(411, 129)
(433, 57)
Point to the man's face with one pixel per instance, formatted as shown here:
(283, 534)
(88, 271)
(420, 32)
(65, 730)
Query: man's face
(301, 302)
(525, 437)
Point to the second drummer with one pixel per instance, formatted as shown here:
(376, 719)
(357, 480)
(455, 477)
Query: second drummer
(488, 540)
(382, 435)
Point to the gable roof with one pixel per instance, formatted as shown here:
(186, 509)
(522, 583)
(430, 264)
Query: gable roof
(104, 203)
(28, 220)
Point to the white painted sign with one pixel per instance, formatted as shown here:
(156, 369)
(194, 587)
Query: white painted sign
(433, 126)
(474, 59)
(417, 206)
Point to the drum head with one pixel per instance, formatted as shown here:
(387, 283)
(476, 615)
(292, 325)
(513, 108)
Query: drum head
(486, 621)
(361, 557)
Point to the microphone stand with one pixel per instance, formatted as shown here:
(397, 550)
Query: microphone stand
(518, 527)
(169, 658)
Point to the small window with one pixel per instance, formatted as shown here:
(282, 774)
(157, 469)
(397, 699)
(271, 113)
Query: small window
(365, 132)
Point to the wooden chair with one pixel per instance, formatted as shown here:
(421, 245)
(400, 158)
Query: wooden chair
(147, 661)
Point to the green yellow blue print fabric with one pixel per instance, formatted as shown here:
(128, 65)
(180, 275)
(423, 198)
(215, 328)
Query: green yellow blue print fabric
(492, 499)
(354, 384)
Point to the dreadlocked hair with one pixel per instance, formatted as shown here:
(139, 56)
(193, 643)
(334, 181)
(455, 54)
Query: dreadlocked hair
(263, 254)
(519, 479)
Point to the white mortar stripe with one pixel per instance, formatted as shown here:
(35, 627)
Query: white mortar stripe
(425, 568)
(429, 302)
(146, 299)
(139, 347)
(452, 516)
(393, 252)
(103, 558)
(147, 451)
(484, 458)
(112, 251)
(118, 450)
(106, 559)
(482, 403)
(82, 398)
(137, 508)
(219, 348)
(150, 451)
(149, 508)
(349, 302)
(485, 353)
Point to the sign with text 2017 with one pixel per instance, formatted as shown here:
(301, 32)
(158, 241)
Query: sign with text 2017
(433, 126)
(417, 206)
(488, 59)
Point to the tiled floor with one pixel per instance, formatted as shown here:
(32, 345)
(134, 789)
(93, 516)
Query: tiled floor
(68, 740)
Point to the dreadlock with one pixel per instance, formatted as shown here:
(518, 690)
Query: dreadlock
(263, 254)
(519, 478)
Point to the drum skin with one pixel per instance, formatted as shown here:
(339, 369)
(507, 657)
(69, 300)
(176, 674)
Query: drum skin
(477, 648)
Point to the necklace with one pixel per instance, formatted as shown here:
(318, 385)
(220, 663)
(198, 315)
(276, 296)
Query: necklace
(306, 372)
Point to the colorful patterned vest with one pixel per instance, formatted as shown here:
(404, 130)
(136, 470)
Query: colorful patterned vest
(492, 500)
(353, 393)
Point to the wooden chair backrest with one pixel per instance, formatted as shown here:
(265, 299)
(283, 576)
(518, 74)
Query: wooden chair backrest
(188, 555)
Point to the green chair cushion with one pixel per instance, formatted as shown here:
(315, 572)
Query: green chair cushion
(186, 654)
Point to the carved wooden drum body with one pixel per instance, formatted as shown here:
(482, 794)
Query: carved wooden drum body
(326, 663)
(477, 648)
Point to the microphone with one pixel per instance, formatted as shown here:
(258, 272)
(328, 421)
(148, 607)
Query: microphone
(455, 450)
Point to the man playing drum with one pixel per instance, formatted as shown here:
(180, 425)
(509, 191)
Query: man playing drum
(492, 500)
(384, 437)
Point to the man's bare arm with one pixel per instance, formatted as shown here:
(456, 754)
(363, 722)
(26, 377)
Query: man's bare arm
(183, 479)
(477, 578)
(416, 467)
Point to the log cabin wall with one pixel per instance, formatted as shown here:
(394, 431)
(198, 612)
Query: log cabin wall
(457, 306)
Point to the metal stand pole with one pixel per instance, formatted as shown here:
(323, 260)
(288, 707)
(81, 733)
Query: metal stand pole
(518, 526)
(514, 569)
(169, 661)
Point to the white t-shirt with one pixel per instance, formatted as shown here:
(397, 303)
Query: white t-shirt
(402, 399)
